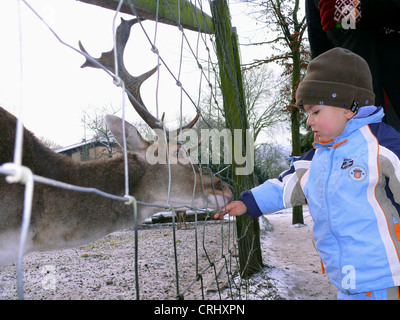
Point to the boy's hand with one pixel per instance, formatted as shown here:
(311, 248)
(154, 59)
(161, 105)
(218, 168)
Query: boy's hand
(235, 208)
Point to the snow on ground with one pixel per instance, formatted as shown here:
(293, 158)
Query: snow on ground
(104, 269)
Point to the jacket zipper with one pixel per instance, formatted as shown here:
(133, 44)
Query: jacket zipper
(328, 211)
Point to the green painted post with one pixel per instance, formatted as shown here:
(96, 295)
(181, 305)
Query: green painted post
(169, 12)
(248, 229)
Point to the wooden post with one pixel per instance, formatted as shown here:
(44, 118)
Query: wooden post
(189, 16)
(248, 229)
(297, 212)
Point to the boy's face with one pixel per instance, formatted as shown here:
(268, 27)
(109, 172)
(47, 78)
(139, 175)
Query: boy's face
(327, 122)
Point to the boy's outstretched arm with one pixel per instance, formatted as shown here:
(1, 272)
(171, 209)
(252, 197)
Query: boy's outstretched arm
(270, 196)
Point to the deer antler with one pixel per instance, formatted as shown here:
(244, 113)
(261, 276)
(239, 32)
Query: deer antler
(132, 83)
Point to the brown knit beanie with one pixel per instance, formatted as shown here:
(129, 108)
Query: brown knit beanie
(339, 78)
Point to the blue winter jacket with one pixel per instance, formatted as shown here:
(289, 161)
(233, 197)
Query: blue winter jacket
(352, 187)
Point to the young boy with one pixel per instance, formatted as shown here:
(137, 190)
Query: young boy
(350, 180)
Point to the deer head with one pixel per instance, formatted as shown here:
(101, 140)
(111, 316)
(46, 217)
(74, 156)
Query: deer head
(166, 145)
(177, 179)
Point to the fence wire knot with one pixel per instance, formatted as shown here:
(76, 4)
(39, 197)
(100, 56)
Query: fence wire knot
(129, 199)
(154, 49)
(20, 173)
(117, 81)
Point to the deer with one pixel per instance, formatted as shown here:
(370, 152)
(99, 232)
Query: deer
(63, 218)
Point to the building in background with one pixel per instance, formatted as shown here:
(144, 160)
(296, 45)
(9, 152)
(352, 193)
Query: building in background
(91, 150)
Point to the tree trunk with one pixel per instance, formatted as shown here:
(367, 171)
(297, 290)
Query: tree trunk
(248, 229)
(297, 212)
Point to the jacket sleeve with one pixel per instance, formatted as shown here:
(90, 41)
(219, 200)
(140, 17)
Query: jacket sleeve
(374, 14)
(389, 160)
(319, 42)
(280, 193)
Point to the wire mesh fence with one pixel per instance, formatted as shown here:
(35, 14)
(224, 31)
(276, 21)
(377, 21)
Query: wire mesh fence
(148, 261)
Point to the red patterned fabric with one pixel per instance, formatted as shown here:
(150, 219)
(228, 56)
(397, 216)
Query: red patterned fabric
(333, 12)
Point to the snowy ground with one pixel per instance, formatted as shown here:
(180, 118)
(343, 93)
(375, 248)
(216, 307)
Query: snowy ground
(295, 263)
(105, 268)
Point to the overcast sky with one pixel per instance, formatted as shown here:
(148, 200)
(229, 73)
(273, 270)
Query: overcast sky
(55, 90)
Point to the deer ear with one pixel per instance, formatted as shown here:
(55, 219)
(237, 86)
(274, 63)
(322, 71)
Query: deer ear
(134, 141)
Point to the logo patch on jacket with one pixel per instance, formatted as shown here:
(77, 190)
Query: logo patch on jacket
(357, 173)
(347, 163)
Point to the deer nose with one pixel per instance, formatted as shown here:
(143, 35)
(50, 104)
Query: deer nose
(229, 192)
